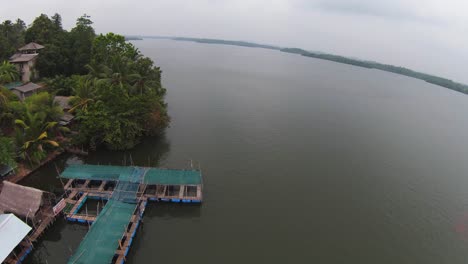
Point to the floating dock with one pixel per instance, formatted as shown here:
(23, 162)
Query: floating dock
(126, 191)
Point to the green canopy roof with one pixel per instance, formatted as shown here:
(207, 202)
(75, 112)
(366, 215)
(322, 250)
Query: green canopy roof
(132, 174)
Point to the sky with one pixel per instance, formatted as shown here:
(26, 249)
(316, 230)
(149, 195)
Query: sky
(425, 35)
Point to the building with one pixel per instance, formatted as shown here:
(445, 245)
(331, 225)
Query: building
(31, 204)
(64, 102)
(25, 60)
(26, 90)
(13, 231)
(34, 207)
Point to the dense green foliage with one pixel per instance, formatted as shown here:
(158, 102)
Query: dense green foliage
(54, 59)
(61, 85)
(66, 52)
(35, 124)
(7, 151)
(122, 98)
(8, 73)
(116, 93)
(11, 37)
(80, 43)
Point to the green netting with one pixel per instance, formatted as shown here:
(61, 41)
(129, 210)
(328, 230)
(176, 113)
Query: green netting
(172, 177)
(97, 172)
(133, 174)
(102, 240)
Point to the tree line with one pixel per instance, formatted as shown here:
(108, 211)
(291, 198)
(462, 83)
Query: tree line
(115, 92)
(463, 88)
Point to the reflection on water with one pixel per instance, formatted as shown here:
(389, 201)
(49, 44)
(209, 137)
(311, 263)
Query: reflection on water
(150, 152)
(169, 211)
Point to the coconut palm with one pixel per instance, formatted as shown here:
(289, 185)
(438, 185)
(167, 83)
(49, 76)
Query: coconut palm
(83, 94)
(8, 73)
(32, 136)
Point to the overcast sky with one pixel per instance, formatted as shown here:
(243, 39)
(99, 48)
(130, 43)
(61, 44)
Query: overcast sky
(425, 35)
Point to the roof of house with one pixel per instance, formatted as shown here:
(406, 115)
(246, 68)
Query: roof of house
(20, 200)
(5, 169)
(67, 117)
(63, 101)
(18, 57)
(31, 46)
(28, 87)
(12, 232)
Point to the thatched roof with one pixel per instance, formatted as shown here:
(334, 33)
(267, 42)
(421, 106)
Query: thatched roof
(31, 46)
(20, 200)
(64, 101)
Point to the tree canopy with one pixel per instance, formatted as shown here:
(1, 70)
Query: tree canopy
(122, 98)
(116, 92)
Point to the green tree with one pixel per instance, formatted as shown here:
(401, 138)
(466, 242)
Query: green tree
(8, 108)
(84, 94)
(8, 73)
(32, 136)
(107, 48)
(7, 151)
(62, 85)
(44, 104)
(11, 37)
(81, 42)
(54, 59)
(126, 100)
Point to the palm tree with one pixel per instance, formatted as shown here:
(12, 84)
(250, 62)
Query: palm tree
(45, 103)
(32, 136)
(8, 73)
(84, 94)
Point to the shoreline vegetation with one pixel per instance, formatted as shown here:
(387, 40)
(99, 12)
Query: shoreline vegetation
(440, 81)
(107, 92)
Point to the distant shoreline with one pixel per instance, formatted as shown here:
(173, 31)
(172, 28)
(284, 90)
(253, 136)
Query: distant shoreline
(440, 81)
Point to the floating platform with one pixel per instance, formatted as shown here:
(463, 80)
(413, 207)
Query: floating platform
(127, 191)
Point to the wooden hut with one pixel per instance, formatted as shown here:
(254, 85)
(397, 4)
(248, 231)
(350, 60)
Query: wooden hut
(28, 203)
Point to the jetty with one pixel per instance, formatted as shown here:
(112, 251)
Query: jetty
(125, 191)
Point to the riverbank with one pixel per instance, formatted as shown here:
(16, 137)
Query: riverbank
(24, 170)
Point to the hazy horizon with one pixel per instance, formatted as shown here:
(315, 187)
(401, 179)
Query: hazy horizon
(426, 36)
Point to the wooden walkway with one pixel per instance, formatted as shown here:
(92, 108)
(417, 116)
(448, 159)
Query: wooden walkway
(126, 192)
(47, 221)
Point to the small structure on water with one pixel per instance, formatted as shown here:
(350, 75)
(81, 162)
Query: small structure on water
(127, 191)
(34, 207)
(13, 232)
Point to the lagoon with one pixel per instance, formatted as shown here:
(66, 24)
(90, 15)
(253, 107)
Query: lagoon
(303, 160)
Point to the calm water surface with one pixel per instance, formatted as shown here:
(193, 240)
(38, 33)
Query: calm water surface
(304, 161)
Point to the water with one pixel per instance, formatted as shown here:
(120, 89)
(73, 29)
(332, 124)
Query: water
(303, 160)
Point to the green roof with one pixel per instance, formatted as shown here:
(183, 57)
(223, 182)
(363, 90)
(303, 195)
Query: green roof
(170, 177)
(133, 174)
(102, 240)
(12, 85)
